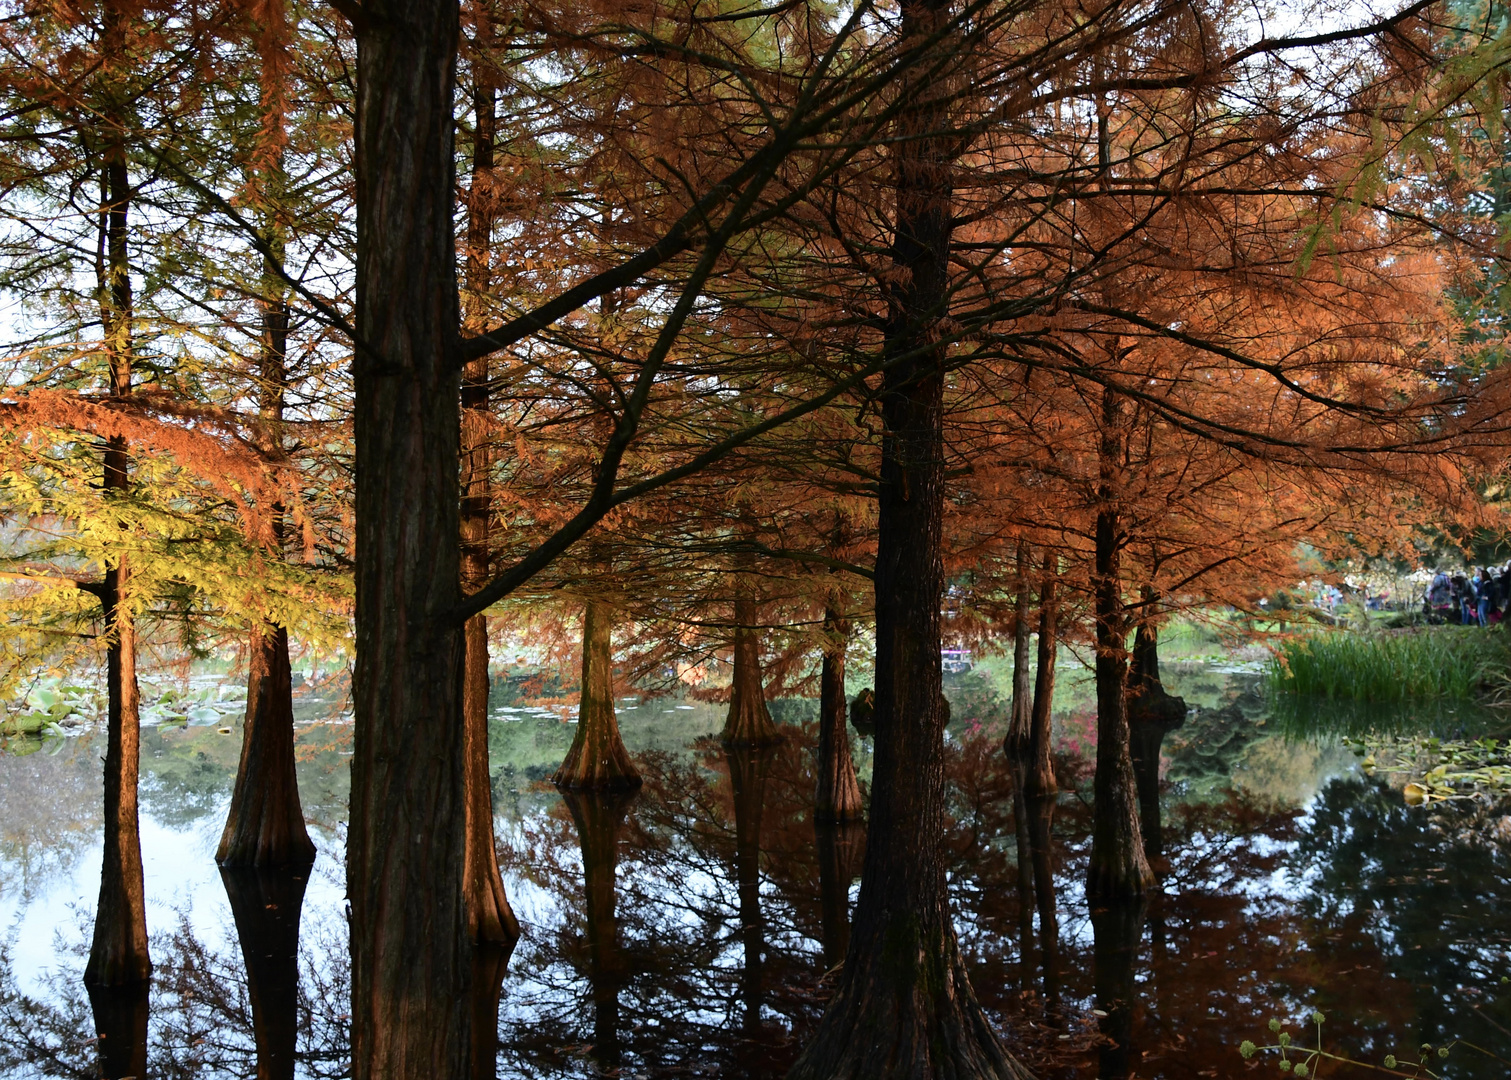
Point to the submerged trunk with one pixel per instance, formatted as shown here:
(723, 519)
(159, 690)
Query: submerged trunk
(838, 795)
(748, 769)
(1118, 867)
(120, 1025)
(749, 722)
(265, 825)
(1023, 851)
(490, 963)
(489, 916)
(1040, 811)
(599, 815)
(407, 844)
(840, 847)
(118, 954)
(1152, 714)
(1039, 772)
(1116, 930)
(597, 759)
(1020, 720)
(904, 1006)
(265, 905)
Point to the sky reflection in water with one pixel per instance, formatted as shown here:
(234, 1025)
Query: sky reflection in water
(688, 930)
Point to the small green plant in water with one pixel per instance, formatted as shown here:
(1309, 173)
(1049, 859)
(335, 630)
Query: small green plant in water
(1301, 1061)
(1439, 769)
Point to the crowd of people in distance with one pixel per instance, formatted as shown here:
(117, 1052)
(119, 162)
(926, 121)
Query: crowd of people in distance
(1479, 599)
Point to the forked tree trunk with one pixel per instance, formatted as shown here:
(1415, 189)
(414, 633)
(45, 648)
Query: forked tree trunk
(838, 794)
(265, 905)
(1039, 775)
(1020, 720)
(120, 1025)
(265, 825)
(904, 1007)
(407, 845)
(748, 768)
(599, 815)
(1118, 867)
(840, 848)
(489, 916)
(118, 954)
(597, 759)
(1116, 930)
(749, 722)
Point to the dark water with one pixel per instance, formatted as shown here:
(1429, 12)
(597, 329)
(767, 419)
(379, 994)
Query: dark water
(692, 930)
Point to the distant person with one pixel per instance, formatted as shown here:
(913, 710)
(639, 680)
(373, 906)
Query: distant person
(1484, 592)
(1463, 599)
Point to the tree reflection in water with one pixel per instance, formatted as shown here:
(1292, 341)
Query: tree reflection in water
(689, 931)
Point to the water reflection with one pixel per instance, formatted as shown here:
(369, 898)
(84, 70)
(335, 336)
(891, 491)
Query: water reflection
(690, 929)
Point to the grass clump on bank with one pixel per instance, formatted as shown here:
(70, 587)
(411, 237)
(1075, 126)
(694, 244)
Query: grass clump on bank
(1457, 663)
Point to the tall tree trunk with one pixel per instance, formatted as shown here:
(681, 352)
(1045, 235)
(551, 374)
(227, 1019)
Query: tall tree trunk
(904, 1006)
(840, 848)
(265, 904)
(1039, 778)
(120, 1025)
(118, 954)
(1020, 721)
(1118, 867)
(1116, 930)
(406, 847)
(489, 916)
(749, 722)
(599, 815)
(265, 825)
(748, 768)
(838, 794)
(597, 759)
(1152, 714)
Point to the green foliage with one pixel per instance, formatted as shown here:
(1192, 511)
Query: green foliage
(1440, 768)
(1458, 663)
(1302, 1061)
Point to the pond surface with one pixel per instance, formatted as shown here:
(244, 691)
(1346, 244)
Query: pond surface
(692, 930)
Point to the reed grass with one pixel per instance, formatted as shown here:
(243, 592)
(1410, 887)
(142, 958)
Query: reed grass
(1454, 663)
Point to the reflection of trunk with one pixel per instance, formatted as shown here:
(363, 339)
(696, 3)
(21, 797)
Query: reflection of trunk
(1118, 866)
(838, 795)
(265, 826)
(1020, 721)
(599, 816)
(1152, 713)
(118, 953)
(1116, 930)
(265, 904)
(1040, 812)
(749, 722)
(120, 1021)
(489, 916)
(597, 759)
(1023, 849)
(748, 769)
(406, 847)
(904, 1005)
(840, 850)
(490, 961)
(1039, 778)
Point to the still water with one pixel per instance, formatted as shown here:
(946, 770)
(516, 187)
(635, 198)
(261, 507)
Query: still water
(693, 929)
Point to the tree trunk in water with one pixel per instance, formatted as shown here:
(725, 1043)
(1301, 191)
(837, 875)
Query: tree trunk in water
(748, 768)
(265, 904)
(1024, 851)
(1118, 867)
(749, 722)
(407, 844)
(265, 826)
(490, 963)
(597, 759)
(120, 1021)
(904, 1006)
(1039, 777)
(838, 795)
(1152, 714)
(1116, 930)
(840, 848)
(599, 815)
(1041, 815)
(118, 954)
(1020, 723)
(489, 916)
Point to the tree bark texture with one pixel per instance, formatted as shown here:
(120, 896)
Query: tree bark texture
(1020, 721)
(837, 797)
(749, 722)
(749, 766)
(265, 904)
(406, 847)
(120, 1023)
(904, 1007)
(599, 816)
(118, 954)
(1118, 867)
(1039, 776)
(597, 759)
(265, 825)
